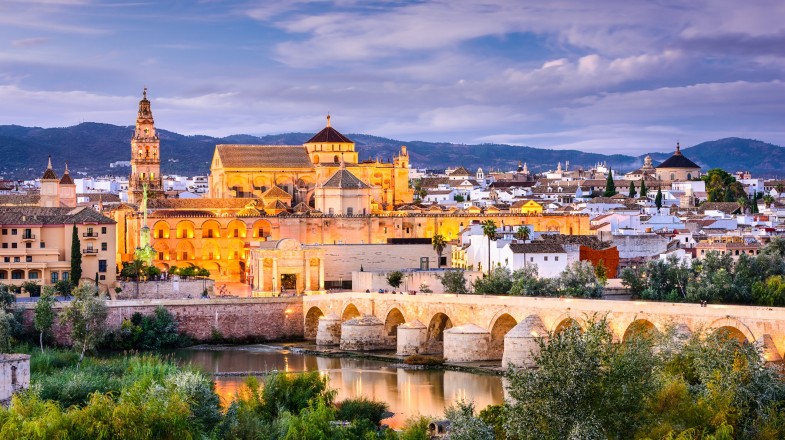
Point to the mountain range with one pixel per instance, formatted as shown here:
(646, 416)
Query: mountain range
(90, 147)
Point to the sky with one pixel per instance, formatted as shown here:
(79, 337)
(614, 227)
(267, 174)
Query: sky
(616, 76)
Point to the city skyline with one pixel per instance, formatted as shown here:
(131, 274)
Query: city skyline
(624, 77)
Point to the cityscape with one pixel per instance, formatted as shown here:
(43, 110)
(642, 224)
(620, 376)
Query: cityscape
(515, 271)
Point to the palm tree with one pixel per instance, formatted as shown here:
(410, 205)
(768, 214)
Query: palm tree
(523, 233)
(743, 203)
(489, 230)
(439, 243)
(768, 200)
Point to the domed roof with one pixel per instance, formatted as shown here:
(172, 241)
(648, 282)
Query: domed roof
(329, 135)
(678, 161)
(416, 324)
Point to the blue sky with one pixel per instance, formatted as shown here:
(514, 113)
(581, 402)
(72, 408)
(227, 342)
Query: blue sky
(613, 76)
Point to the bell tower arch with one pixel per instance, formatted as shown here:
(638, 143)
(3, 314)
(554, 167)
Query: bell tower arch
(145, 156)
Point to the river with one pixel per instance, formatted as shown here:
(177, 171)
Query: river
(407, 392)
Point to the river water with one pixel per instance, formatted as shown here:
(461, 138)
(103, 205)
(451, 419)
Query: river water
(407, 392)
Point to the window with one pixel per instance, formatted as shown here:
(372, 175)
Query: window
(43, 245)
(33, 275)
(28, 245)
(66, 276)
(54, 277)
(17, 259)
(102, 277)
(5, 231)
(101, 265)
(89, 231)
(13, 231)
(531, 258)
(104, 246)
(18, 275)
(6, 259)
(555, 258)
(29, 259)
(5, 245)
(13, 245)
(3, 275)
(545, 258)
(103, 229)
(28, 233)
(236, 233)
(349, 211)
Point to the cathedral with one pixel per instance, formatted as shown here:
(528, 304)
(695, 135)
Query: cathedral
(316, 193)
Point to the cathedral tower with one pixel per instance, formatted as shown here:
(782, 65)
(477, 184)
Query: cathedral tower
(145, 156)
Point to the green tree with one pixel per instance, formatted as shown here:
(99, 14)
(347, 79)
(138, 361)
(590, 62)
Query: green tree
(768, 200)
(584, 386)
(454, 281)
(76, 258)
(579, 280)
(722, 186)
(644, 192)
(464, 425)
(523, 233)
(44, 315)
(86, 316)
(658, 199)
(497, 282)
(395, 279)
(610, 185)
(526, 282)
(439, 243)
(632, 192)
(489, 230)
(601, 272)
(459, 198)
(769, 293)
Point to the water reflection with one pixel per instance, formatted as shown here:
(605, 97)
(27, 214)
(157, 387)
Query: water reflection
(407, 392)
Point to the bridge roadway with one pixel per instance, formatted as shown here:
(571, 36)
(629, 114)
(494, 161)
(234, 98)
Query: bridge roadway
(473, 327)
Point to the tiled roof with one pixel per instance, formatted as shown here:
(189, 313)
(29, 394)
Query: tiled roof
(329, 134)
(200, 203)
(344, 179)
(677, 161)
(433, 182)
(49, 174)
(20, 199)
(264, 156)
(276, 193)
(95, 197)
(536, 248)
(726, 207)
(66, 179)
(460, 171)
(24, 215)
(583, 240)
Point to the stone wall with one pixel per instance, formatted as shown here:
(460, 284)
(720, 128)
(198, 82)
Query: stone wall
(258, 318)
(373, 281)
(14, 375)
(170, 289)
(633, 246)
(341, 260)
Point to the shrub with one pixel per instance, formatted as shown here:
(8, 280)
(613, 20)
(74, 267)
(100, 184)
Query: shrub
(361, 409)
(153, 332)
(420, 359)
(454, 281)
(416, 428)
(395, 279)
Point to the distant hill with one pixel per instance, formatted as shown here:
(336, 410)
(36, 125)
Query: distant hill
(90, 147)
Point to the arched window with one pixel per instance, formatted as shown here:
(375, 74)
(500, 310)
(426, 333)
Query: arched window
(689, 176)
(673, 176)
(335, 159)
(316, 158)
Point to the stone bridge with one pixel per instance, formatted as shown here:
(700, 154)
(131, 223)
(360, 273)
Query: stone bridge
(468, 328)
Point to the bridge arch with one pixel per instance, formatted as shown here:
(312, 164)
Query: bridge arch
(435, 336)
(503, 324)
(564, 322)
(312, 322)
(391, 322)
(640, 328)
(734, 329)
(350, 312)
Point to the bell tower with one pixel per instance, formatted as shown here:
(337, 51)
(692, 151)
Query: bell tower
(145, 156)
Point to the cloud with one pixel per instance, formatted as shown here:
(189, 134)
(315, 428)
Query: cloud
(29, 42)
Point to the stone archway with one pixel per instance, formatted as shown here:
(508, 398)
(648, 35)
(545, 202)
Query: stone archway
(312, 322)
(391, 323)
(435, 336)
(565, 324)
(729, 332)
(640, 328)
(499, 329)
(350, 312)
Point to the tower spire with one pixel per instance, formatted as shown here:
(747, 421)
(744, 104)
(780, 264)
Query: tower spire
(328, 119)
(49, 166)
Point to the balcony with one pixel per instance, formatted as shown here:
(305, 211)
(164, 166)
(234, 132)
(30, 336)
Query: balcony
(28, 237)
(90, 252)
(90, 234)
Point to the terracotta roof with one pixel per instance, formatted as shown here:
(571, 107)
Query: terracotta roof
(95, 197)
(20, 199)
(460, 171)
(264, 156)
(344, 179)
(28, 215)
(433, 182)
(200, 203)
(276, 192)
(329, 134)
(536, 248)
(725, 207)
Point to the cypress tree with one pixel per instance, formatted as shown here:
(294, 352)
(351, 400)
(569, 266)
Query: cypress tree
(610, 185)
(76, 258)
(644, 191)
(632, 190)
(658, 198)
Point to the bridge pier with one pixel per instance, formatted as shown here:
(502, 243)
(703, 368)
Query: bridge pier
(411, 338)
(329, 330)
(521, 344)
(363, 333)
(466, 343)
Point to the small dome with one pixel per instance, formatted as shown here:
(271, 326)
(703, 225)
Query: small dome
(414, 324)
(466, 329)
